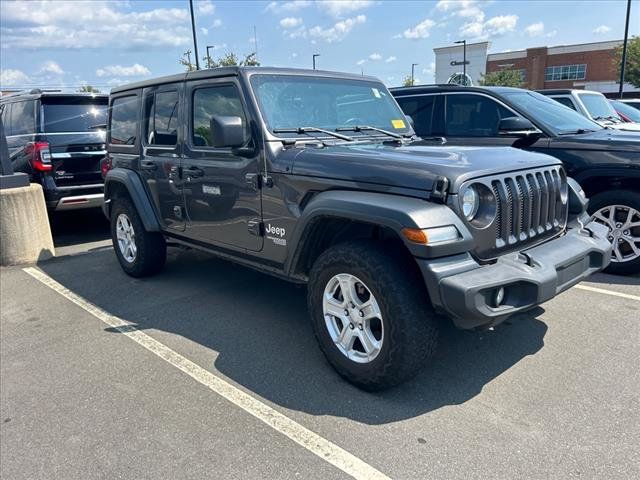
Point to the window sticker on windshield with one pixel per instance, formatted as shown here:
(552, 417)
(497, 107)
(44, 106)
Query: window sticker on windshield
(398, 123)
(376, 93)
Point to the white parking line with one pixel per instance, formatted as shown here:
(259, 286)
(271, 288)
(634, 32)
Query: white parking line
(608, 292)
(323, 448)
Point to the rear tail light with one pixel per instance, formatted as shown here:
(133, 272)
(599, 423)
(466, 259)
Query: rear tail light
(39, 156)
(105, 166)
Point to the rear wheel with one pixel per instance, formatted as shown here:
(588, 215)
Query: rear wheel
(619, 211)
(370, 315)
(139, 252)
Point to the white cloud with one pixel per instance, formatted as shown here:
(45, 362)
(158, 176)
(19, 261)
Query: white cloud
(205, 7)
(461, 8)
(339, 31)
(493, 27)
(361, 62)
(294, 55)
(11, 77)
(430, 70)
(217, 23)
(390, 59)
(535, 29)
(421, 30)
(52, 68)
(551, 34)
(292, 6)
(602, 29)
(375, 56)
(204, 30)
(290, 22)
(135, 70)
(81, 24)
(340, 8)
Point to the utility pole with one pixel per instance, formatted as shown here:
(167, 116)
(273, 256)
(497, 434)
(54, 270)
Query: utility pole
(209, 56)
(193, 30)
(314, 59)
(624, 50)
(464, 58)
(413, 65)
(255, 42)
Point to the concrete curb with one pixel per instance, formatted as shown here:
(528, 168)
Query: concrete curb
(25, 234)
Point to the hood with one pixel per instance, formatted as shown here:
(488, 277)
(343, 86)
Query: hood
(606, 139)
(413, 166)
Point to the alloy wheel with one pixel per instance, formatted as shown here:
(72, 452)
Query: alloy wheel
(623, 223)
(126, 237)
(353, 318)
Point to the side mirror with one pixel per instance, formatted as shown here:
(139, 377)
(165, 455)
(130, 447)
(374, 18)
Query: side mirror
(226, 131)
(516, 127)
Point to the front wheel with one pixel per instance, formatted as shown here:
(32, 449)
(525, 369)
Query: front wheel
(620, 212)
(370, 315)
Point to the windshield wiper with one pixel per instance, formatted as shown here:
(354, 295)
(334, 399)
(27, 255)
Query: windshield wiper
(306, 130)
(361, 128)
(578, 131)
(98, 126)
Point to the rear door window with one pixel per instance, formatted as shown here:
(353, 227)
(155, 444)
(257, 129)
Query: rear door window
(65, 114)
(22, 118)
(420, 109)
(124, 120)
(162, 119)
(469, 115)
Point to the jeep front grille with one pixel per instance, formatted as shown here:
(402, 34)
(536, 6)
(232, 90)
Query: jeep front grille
(530, 206)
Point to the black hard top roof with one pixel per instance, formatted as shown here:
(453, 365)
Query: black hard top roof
(422, 89)
(237, 71)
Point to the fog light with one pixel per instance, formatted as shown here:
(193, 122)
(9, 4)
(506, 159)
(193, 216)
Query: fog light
(498, 297)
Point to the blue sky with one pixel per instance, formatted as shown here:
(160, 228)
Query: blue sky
(60, 43)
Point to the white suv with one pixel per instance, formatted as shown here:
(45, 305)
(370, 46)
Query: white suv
(593, 105)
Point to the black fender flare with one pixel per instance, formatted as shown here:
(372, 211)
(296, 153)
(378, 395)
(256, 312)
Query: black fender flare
(132, 183)
(392, 211)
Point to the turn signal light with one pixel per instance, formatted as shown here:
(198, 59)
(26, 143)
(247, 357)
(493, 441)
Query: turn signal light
(415, 235)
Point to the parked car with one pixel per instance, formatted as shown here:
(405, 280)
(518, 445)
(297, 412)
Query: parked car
(605, 162)
(58, 139)
(315, 177)
(634, 102)
(592, 105)
(625, 111)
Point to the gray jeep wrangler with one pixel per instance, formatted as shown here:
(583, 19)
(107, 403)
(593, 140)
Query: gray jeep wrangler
(316, 177)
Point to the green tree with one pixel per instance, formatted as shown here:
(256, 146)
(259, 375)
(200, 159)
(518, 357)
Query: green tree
(502, 78)
(408, 81)
(230, 59)
(632, 67)
(88, 89)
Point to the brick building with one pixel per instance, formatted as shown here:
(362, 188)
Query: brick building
(588, 66)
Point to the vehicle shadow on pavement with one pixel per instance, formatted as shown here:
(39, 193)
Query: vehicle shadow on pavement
(259, 327)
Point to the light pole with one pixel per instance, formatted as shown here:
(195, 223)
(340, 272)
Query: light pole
(314, 59)
(413, 65)
(624, 50)
(193, 30)
(209, 56)
(464, 58)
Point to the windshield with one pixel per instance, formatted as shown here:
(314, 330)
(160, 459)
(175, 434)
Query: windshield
(627, 110)
(74, 115)
(551, 114)
(598, 106)
(297, 101)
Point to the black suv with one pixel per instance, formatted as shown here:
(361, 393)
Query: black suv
(605, 162)
(315, 177)
(58, 139)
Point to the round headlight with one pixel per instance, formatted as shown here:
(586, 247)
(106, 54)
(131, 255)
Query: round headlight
(470, 203)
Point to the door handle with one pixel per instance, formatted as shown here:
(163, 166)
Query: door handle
(193, 172)
(147, 165)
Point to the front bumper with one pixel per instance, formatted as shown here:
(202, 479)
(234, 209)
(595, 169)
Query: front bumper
(466, 290)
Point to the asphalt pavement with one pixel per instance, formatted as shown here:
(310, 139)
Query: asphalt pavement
(554, 393)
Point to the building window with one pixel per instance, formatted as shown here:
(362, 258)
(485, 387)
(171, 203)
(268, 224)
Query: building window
(565, 72)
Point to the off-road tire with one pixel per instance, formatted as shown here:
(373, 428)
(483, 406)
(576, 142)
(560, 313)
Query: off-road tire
(410, 336)
(151, 246)
(618, 197)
